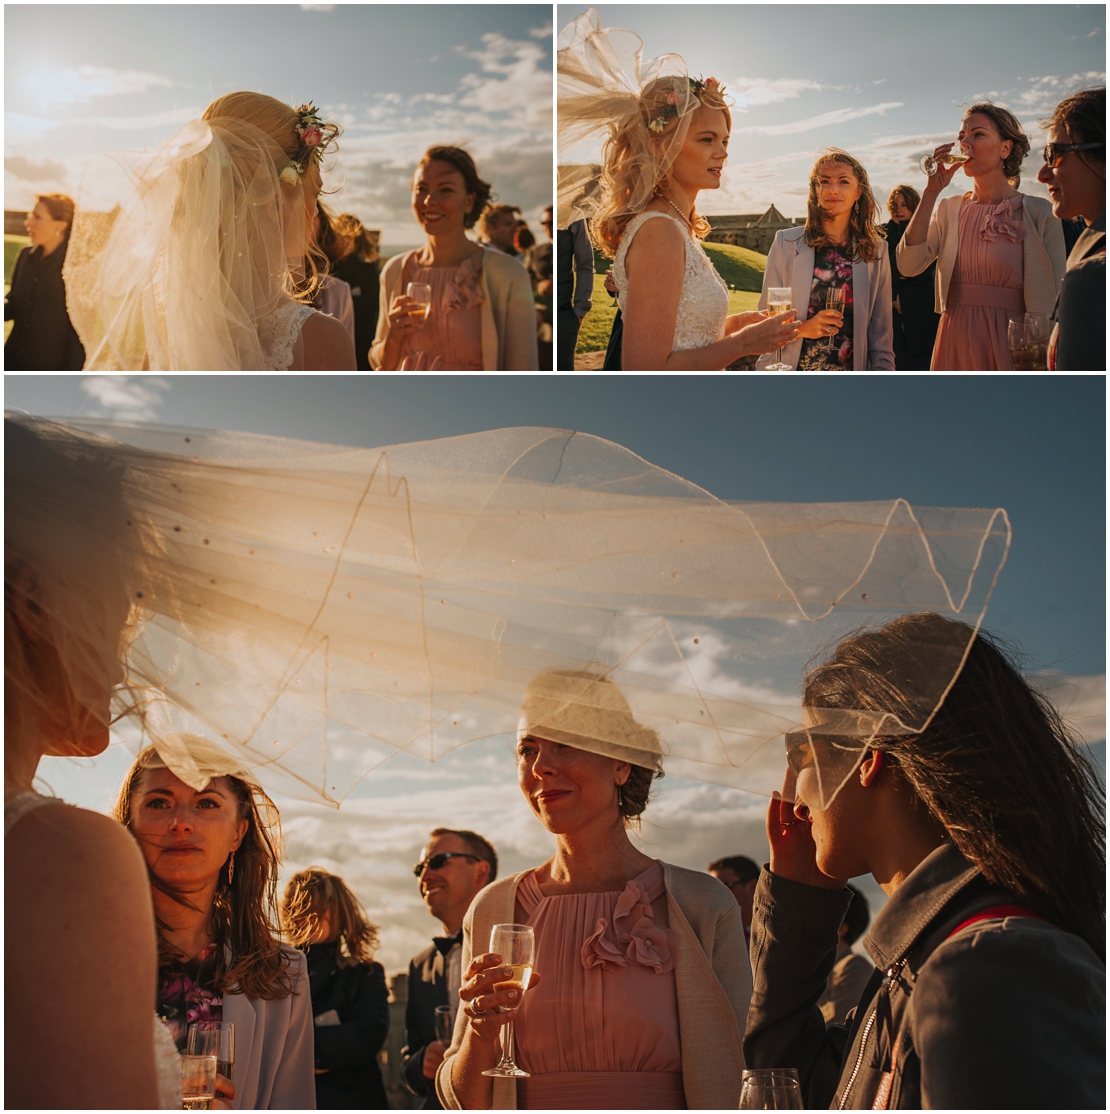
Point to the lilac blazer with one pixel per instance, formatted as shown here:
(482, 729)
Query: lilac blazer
(275, 1053)
(790, 263)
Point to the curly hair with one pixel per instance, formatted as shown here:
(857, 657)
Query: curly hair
(865, 237)
(1008, 127)
(463, 162)
(622, 164)
(243, 920)
(995, 754)
(910, 198)
(312, 894)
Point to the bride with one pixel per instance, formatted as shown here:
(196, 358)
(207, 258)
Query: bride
(667, 140)
(200, 268)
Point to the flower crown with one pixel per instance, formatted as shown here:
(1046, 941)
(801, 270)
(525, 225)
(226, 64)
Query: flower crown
(669, 111)
(310, 131)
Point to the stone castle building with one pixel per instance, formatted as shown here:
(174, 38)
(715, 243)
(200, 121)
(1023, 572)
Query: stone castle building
(755, 231)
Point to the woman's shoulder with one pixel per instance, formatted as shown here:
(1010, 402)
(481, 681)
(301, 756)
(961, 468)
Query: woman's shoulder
(393, 265)
(695, 885)
(1038, 208)
(791, 235)
(497, 264)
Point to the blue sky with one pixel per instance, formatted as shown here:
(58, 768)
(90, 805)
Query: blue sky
(82, 80)
(1034, 445)
(883, 81)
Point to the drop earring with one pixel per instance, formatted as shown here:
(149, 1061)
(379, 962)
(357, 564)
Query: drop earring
(231, 868)
(620, 799)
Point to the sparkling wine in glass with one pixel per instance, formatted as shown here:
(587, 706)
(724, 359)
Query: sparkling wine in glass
(771, 1089)
(516, 944)
(954, 157)
(779, 300)
(837, 299)
(198, 1081)
(215, 1038)
(1028, 341)
(421, 293)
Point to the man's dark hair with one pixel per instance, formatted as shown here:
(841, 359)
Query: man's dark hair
(858, 916)
(740, 865)
(477, 845)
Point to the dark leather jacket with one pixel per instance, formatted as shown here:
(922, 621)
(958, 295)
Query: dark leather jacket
(1008, 1013)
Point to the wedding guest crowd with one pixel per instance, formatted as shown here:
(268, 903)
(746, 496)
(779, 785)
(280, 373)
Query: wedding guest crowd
(43, 337)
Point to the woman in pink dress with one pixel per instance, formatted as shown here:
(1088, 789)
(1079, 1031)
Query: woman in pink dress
(1000, 253)
(643, 979)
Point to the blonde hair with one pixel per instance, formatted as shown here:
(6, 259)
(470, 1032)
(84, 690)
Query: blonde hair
(313, 893)
(279, 121)
(864, 234)
(622, 165)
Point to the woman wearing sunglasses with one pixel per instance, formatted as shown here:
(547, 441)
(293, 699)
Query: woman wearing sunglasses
(999, 253)
(990, 987)
(1074, 171)
(643, 976)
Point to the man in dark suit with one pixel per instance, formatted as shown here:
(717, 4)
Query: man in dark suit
(453, 867)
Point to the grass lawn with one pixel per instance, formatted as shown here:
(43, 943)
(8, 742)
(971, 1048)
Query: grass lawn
(740, 268)
(12, 245)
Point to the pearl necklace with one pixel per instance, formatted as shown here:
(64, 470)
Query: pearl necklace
(685, 219)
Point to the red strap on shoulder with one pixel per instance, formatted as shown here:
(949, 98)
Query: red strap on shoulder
(999, 911)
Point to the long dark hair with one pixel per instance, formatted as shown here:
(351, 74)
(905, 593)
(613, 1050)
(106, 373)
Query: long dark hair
(243, 919)
(865, 237)
(995, 763)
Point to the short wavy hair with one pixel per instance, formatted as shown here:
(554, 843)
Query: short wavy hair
(1008, 127)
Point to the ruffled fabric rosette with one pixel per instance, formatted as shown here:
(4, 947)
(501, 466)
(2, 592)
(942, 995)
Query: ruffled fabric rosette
(601, 78)
(632, 937)
(1002, 222)
(465, 289)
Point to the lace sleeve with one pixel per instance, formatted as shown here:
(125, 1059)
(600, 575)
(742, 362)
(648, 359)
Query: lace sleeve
(279, 331)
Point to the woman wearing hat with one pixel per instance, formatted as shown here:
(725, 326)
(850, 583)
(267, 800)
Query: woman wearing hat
(643, 978)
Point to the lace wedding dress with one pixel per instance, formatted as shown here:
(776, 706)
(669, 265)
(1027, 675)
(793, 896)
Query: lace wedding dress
(703, 305)
(278, 333)
(167, 1063)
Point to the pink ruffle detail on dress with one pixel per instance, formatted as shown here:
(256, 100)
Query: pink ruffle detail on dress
(1001, 223)
(633, 937)
(465, 289)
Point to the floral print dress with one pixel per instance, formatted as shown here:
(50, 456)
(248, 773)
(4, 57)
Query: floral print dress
(186, 995)
(832, 267)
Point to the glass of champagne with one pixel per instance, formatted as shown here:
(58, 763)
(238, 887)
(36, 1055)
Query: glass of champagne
(771, 1089)
(198, 1081)
(218, 1038)
(445, 1023)
(516, 944)
(779, 300)
(1022, 338)
(954, 157)
(421, 293)
(836, 299)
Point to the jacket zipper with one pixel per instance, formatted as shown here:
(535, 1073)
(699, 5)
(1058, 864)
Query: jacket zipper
(859, 1058)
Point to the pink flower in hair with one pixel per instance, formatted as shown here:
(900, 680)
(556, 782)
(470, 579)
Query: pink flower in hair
(711, 83)
(311, 135)
(672, 97)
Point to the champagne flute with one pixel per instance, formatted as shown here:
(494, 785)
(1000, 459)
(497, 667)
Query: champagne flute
(198, 1081)
(445, 1023)
(836, 299)
(771, 1089)
(516, 944)
(218, 1038)
(779, 300)
(929, 163)
(421, 293)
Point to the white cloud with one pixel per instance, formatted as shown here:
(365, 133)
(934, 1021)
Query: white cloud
(19, 130)
(317, 7)
(1081, 701)
(752, 91)
(82, 84)
(826, 119)
(139, 123)
(127, 397)
(544, 32)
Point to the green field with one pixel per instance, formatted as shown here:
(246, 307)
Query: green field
(12, 245)
(740, 268)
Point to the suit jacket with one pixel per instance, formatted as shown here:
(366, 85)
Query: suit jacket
(790, 263)
(43, 337)
(713, 978)
(508, 313)
(1079, 339)
(427, 989)
(1043, 252)
(274, 1046)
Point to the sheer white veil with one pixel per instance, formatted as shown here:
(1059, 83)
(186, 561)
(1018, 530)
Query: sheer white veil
(186, 272)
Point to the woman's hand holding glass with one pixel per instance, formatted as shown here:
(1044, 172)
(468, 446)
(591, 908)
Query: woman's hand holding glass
(942, 174)
(824, 323)
(482, 1002)
(406, 314)
(766, 333)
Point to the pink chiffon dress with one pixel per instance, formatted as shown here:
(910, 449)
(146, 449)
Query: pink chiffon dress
(600, 1030)
(453, 329)
(987, 289)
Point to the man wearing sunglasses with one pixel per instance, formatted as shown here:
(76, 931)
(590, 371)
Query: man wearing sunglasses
(453, 867)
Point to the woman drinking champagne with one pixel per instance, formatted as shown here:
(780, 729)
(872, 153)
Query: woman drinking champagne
(999, 253)
(836, 267)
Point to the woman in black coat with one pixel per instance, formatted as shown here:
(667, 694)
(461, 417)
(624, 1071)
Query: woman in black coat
(354, 259)
(915, 317)
(43, 338)
(350, 1002)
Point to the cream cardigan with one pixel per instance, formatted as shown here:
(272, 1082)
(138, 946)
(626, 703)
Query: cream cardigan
(508, 313)
(1043, 250)
(713, 978)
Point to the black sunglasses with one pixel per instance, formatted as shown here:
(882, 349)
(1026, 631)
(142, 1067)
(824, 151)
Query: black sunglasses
(1054, 152)
(438, 862)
